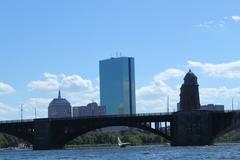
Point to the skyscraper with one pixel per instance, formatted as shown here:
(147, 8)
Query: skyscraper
(117, 85)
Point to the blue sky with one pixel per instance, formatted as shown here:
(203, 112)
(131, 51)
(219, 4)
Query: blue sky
(45, 44)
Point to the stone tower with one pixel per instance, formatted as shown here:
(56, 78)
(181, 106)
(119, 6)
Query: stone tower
(189, 96)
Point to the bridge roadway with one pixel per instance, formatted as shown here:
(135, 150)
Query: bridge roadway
(180, 128)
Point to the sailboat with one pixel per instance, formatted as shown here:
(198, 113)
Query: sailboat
(121, 144)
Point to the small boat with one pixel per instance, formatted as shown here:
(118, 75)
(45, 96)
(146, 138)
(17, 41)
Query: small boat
(121, 144)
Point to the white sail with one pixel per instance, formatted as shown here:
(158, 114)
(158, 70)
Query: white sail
(121, 144)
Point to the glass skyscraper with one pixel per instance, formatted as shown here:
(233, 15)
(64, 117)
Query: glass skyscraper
(117, 85)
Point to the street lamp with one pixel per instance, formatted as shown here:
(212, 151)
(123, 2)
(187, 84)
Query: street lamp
(21, 112)
(35, 112)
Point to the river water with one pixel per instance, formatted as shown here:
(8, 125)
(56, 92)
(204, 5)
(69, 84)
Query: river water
(147, 152)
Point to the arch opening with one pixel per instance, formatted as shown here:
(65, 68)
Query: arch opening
(229, 135)
(100, 136)
(9, 140)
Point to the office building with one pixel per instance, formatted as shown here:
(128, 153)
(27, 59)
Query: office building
(59, 108)
(92, 109)
(117, 85)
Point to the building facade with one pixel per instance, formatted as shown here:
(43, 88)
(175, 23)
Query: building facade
(92, 109)
(212, 107)
(117, 85)
(59, 108)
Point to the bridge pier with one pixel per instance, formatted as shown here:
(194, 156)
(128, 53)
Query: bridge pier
(191, 128)
(43, 138)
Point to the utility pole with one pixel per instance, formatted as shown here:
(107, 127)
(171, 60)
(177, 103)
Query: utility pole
(167, 104)
(232, 103)
(35, 111)
(238, 105)
(21, 112)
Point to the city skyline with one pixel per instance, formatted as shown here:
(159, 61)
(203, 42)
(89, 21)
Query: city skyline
(46, 45)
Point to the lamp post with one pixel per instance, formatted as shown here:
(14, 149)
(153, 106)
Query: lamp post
(167, 104)
(21, 112)
(35, 112)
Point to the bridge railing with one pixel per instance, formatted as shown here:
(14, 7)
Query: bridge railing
(16, 121)
(107, 116)
(89, 117)
(122, 115)
(227, 111)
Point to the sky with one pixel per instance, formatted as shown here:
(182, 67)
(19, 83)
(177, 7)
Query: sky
(45, 45)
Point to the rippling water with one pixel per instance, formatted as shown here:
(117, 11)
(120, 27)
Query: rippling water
(153, 152)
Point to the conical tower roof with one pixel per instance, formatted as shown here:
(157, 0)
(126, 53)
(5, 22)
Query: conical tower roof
(190, 78)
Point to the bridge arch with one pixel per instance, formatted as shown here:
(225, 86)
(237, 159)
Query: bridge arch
(48, 133)
(75, 135)
(13, 139)
(225, 123)
(70, 132)
(227, 130)
(22, 131)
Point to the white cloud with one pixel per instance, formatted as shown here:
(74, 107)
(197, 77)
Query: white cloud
(152, 98)
(40, 104)
(77, 90)
(74, 81)
(168, 74)
(6, 88)
(220, 23)
(149, 98)
(236, 18)
(227, 70)
(206, 24)
(220, 95)
(50, 83)
(213, 24)
(53, 82)
(82, 97)
(8, 112)
(158, 85)
(4, 108)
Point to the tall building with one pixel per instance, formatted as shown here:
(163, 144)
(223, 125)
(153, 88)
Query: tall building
(92, 109)
(189, 96)
(59, 108)
(117, 85)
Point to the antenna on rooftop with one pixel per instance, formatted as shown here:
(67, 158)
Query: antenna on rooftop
(59, 94)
